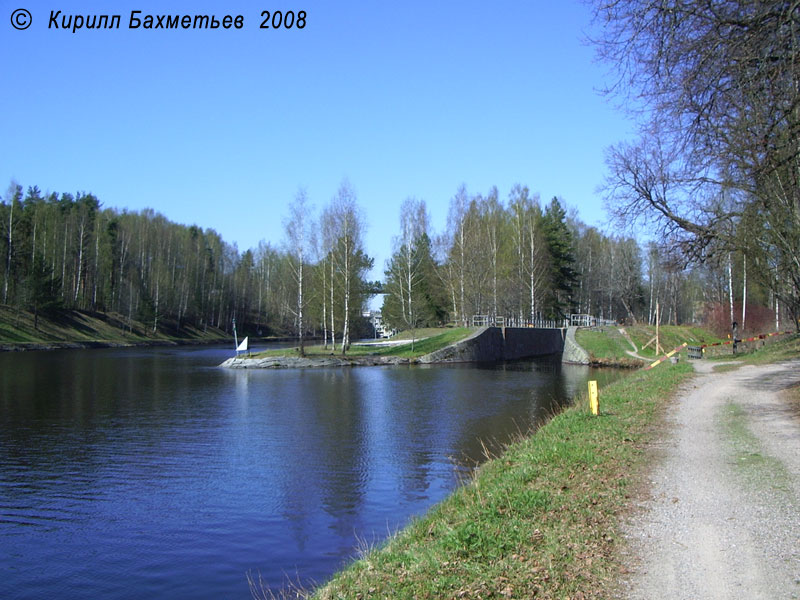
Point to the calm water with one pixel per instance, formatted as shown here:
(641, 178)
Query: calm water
(153, 473)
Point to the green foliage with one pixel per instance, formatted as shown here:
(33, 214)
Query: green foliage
(411, 274)
(561, 249)
(606, 344)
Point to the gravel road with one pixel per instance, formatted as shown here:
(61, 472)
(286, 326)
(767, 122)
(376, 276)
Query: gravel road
(721, 518)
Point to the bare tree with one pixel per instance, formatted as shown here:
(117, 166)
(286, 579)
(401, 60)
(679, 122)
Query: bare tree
(718, 89)
(298, 228)
(347, 228)
(405, 270)
(492, 216)
(13, 196)
(457, 224)
(531, 255)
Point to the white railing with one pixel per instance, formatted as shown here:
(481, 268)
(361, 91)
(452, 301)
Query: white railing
(500, 321)
(582, 320)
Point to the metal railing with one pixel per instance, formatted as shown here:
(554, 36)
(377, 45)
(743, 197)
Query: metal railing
(584, 320)
(501, 321)
(571, 320)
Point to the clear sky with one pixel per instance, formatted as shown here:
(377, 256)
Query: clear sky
(220, 128)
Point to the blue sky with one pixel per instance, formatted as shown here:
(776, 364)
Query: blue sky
(220, 128)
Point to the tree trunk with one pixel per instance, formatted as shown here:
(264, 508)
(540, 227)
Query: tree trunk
(730, 285)
(333, 323)
(300, 304)
(744, 289)
(8, 257)
(324, 309)
(81, 233)
(346, 326)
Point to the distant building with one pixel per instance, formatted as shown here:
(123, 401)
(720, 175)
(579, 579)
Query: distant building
(376, 320)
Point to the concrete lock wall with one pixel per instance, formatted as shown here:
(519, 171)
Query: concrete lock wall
(492, 344)
(529, 342)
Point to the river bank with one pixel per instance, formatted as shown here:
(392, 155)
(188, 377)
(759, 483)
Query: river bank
(540, 520)
(545, 519)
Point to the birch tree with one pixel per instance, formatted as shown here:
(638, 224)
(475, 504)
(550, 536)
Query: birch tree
(407, 269)
(347, 255)
(13, 197)
(457, 225)
(298, 229)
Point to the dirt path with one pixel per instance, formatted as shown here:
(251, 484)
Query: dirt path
(723, 516)
(635, 352)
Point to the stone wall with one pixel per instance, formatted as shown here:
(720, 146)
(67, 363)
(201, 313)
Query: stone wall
(493, 344)
(573, 352)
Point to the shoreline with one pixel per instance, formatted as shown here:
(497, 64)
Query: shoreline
(541, 519)
(43, 346)
(297, 362)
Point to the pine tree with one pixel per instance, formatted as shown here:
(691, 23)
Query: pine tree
(558, 238)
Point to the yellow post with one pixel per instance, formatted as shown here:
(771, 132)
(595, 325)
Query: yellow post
(594, 403)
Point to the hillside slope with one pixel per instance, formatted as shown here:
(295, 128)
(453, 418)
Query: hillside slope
(71, 328)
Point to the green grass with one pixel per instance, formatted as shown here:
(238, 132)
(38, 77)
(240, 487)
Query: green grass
(17, 329)
(422, 332)
(670, 337)
(752, 464)
(726, 368)
(438, 338)
(538, 521)
(608, 345)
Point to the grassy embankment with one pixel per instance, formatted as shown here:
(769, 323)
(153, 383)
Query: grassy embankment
(542, 519)
(69, 328)
(421, 342)
(608, 345)
(783, 348)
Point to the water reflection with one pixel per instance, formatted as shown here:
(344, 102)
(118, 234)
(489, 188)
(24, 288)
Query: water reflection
(136, 472)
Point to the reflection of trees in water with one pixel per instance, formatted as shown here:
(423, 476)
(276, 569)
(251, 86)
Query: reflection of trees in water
(324, 452)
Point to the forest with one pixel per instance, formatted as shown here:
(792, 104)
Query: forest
(514, 258)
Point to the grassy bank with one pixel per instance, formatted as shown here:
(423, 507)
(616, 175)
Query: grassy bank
(539, 521)
(19, 330)
(784, 347)
(434, 339)
(611, 345)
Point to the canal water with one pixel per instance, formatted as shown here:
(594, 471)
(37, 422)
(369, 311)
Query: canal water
(135, 473)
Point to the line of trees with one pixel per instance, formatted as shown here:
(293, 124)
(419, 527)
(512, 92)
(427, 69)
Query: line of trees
(524, 262)
(64, 251)
(514, 259)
